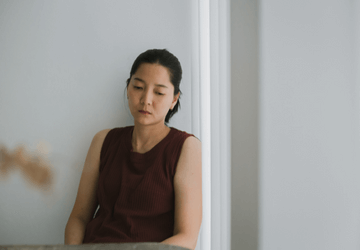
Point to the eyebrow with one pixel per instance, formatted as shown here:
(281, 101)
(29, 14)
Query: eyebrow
(139, 79)
(157, 85)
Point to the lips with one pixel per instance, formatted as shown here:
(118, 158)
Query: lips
(144, 112)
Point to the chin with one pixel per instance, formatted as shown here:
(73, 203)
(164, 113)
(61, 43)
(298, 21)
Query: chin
(148, 122)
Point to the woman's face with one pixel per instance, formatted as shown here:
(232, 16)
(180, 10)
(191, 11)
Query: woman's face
(150, 94)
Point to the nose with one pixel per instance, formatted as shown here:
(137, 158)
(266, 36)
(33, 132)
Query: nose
(146, 97)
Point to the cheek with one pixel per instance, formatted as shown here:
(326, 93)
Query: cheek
(131, 96)
(131, 101)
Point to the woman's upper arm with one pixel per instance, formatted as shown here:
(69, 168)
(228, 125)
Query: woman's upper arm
(85, 203)
(188, 189)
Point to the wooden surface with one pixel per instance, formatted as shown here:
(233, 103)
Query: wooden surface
(122, 246)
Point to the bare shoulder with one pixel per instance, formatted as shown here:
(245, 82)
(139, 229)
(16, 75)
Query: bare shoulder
(190, 156)
(192, 145)
(192, 140)
(100, 136)
(93, 157)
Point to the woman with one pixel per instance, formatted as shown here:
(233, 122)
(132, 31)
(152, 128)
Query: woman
(145, 178)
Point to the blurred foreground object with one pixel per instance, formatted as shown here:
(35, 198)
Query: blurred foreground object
(35, 167)
(122, 246)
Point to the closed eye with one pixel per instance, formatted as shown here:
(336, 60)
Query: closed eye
(137, 87)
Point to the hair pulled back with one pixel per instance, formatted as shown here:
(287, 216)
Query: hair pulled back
(167, 60)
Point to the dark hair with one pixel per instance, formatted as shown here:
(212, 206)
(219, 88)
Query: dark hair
(167, 60)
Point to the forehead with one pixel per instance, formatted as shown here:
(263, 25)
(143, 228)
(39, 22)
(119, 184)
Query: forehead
(153, 73)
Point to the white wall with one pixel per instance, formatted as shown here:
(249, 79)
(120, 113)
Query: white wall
(309, 130)
(63, 66)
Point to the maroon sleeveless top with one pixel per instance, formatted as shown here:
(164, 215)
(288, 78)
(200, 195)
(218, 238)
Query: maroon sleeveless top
(135, 191)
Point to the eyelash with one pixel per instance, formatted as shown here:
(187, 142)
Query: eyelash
(158, 93)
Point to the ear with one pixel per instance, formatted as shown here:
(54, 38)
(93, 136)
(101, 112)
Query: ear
(127, 86)
(127, 91)
(175, 100)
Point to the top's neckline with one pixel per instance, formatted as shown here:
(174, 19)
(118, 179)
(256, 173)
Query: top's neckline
(153, 148)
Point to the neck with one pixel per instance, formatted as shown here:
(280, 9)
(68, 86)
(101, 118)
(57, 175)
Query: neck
(145, 138)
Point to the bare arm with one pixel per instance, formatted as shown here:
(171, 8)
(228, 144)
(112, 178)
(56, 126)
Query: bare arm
(188, 196)
(85, 203)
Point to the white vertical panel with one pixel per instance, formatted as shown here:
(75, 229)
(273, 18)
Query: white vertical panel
(215, 127)
(211, 103)
(220, 125)
(204, 21)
